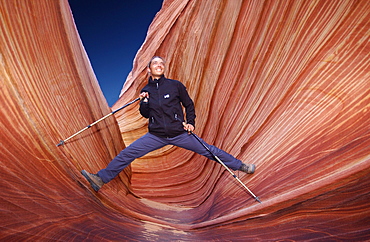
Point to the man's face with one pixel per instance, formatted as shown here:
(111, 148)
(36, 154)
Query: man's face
(156, 68)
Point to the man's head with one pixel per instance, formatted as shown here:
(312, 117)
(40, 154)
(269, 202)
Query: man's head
(156, 67)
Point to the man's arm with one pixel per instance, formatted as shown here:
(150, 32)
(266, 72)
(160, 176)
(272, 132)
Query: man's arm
(188, 103)
(144, 104)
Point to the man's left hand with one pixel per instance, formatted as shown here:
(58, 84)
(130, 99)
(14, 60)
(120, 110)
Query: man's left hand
(188, 127)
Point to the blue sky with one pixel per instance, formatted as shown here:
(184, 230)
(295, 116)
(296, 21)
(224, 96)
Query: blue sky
(112, 32)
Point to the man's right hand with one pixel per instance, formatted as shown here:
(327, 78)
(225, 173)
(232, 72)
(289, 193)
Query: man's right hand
(144, 96)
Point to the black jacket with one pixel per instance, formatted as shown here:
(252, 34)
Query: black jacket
(164, 108)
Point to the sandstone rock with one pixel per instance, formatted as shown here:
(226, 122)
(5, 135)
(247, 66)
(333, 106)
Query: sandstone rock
(282, 84)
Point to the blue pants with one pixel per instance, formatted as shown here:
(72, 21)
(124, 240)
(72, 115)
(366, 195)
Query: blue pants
(150, 142)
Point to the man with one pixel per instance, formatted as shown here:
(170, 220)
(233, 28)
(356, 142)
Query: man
(161, 102)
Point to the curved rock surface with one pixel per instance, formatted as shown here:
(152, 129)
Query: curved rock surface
(282, 84)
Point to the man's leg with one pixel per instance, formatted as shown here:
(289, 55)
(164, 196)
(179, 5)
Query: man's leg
(189, 142)
(138, 148)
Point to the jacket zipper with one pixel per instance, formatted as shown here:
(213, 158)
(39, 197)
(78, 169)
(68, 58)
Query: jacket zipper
(160, 104)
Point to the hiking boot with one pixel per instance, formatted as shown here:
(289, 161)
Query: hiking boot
(95, 181)
(247, 168)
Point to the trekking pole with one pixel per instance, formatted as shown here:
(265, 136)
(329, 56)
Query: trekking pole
(223, 164)
(97, 121)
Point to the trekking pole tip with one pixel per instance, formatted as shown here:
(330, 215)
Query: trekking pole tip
(258, 200)
(60, 143)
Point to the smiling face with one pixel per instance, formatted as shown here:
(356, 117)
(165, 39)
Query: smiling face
(156, 67)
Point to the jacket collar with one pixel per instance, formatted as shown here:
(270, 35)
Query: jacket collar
(155, 81)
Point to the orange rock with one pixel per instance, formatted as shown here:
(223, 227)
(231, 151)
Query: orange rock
(282, 84)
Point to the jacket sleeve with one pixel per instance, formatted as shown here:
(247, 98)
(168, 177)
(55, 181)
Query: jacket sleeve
(144, 109)
(144, 106)
(188, 103)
